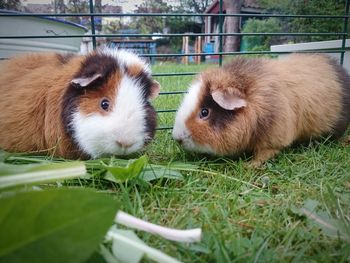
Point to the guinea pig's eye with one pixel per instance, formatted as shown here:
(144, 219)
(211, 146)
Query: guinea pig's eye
(105, 104)
(204, 113)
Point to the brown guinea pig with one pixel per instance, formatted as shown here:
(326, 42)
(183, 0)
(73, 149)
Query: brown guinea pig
(77, 106)
(263, 105)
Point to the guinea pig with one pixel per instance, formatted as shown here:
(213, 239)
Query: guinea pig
(76, 106)
(261, 106)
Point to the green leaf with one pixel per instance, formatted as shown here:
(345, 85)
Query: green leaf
(61, 225)
(132, 170)
(152, 173)
(330, 226)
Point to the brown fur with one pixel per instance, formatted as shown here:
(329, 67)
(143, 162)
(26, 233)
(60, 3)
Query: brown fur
(89, 102)
(29, 103)
(290, 99)
(134, 70)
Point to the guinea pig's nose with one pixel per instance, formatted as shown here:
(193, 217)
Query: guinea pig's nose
(123, 144)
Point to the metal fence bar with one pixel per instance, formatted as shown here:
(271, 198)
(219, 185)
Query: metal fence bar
(174, 74)
(177, 14)
(221, 23)
(165, 128)
(172, 92)
(166, 111)
(93, 35)
(92, 18)
(241, 53)
(345, 27)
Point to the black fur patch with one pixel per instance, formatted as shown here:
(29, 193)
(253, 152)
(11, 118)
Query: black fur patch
(219, 118)
(151, 122)
(344, 81)
(69, 106)
(95, 63)
(146, 83)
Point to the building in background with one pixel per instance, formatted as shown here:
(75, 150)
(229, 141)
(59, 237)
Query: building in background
(212, 22)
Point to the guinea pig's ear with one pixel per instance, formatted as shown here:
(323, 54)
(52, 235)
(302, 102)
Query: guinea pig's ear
(155, 88)
(229, 99)
(85, 81)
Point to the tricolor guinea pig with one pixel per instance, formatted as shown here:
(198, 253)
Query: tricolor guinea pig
(264, 105)
(77, 106)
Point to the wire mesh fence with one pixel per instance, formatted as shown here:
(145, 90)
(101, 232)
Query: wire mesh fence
(220, 35)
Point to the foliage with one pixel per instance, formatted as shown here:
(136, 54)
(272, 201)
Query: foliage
(261, 42)
(10, 5)
(78, 6)
(57, 225)
(59, 6)
(310, 7)
(195, 6)
(180, 25)
(159, 24)
(336, 226)
(151, 24)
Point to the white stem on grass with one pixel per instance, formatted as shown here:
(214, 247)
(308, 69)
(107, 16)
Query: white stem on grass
(152, 253)
(191, 235)
(43, 176)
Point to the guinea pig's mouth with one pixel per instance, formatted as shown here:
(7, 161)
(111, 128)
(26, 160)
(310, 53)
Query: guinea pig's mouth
(189, 144)
(115, 148)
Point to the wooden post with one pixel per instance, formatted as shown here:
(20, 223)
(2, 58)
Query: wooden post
(185, 49)
(198, 49)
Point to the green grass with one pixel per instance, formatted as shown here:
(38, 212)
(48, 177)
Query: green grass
(246, 215)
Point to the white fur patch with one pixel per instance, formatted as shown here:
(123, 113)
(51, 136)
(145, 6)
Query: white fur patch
(99, 135)
(127, 58)
(180, 131)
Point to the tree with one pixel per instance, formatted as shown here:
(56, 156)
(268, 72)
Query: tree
(11, 5)
(77, 6)
(307, 25)
(59, 6)
(261, 42)
(232, 43)
(151, 24)
(195, 6)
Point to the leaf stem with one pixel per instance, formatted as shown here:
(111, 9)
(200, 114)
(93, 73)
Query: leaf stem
(152, 253)
(191, 235)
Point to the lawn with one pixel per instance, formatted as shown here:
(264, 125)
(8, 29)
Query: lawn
(296, 208)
